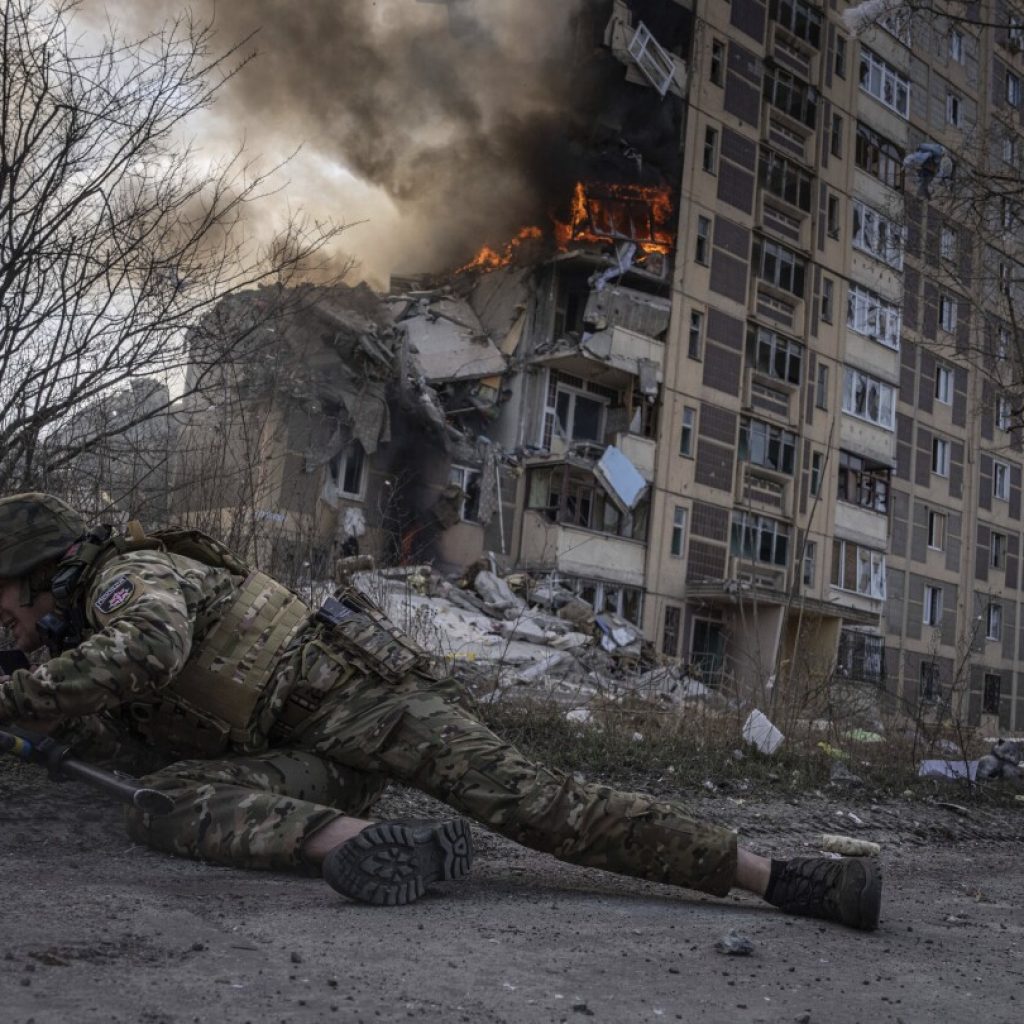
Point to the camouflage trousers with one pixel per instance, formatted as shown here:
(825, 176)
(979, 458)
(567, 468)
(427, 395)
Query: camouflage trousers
(258, 811)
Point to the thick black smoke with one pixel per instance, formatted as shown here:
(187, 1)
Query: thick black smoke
(474, 117)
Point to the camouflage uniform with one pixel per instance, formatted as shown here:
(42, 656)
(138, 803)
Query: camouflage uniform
(337, 730)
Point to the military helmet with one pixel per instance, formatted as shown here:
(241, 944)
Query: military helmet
(35, 528)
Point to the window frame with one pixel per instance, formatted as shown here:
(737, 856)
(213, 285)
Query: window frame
(695, 335)
(470, 499)
(702, 241)
(947, 313)
(1000, 480)
(876, 235)
(886, 398)
(761, 437)
(936, 530)
(994, 621)
(716, 65)
(677, 538)
(863, 483)
(941, 449)
(776, 264)
(878, 156)
(932, 606)
(709, 157)
(749, 533)
(688, 432)
(338, 467)
(944, 383)
(849, 556)
(782, 352)
(877, 78)
(865, 307)
(997, 548)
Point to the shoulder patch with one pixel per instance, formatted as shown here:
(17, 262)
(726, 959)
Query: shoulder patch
(118, 593)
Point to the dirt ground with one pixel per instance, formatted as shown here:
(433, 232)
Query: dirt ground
(101, 930)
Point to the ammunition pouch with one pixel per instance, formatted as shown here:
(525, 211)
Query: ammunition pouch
(364, 633)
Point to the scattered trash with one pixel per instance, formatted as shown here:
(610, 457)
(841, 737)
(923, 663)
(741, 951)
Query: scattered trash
(734, 944)
(842, 776)
(759, 732)
(942, 769)
(1002, 762)
(849, 847)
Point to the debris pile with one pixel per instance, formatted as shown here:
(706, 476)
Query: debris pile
(502, 633)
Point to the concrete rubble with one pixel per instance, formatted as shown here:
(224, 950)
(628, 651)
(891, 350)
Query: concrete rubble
(527, 634)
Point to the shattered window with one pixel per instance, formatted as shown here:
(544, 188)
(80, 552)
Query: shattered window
(347, 470)
(774, 355)
(859, 569)
(579, 418)
(468, 481)
(878, 156)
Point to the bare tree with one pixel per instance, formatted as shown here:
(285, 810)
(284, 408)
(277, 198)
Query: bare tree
(116, 235)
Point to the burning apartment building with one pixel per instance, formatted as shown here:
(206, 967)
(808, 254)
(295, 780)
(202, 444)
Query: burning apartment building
(710, 382)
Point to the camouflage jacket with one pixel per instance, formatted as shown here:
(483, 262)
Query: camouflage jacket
(145, 612)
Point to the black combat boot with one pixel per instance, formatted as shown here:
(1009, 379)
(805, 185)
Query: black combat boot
(848, 889)
(392, 863)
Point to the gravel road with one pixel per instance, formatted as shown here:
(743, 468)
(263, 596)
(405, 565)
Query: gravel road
(101, 930)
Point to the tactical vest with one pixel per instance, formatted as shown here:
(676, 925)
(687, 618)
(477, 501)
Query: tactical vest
(217, 698)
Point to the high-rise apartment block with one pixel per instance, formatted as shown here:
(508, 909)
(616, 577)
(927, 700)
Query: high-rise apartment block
(838, 481)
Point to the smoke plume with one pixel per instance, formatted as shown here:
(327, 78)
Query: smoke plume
(438, 122)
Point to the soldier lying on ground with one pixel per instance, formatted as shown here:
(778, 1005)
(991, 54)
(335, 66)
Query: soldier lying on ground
(278, 728)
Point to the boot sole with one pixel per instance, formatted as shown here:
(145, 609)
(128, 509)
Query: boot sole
(391, 864)
(869, 904)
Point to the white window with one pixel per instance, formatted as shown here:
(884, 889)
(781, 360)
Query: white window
(348, 470)
(652, 59)
(954, 109)
(997, 550)
(869, 314)
(710, 161)
(1003, 413)
(468, 481)
(994, 622)
(1016, 32)
(687, 431)
(810, 559)
(940, 456)
(1003, 343)
(695, 343)
(948, 244)
(944, 385)
(869, 399)
(1000, 480)
(956, 46)
(932, 606)
(897, 24)
(678, 532)
(576, 416)
(700, 250)
(1010, 151)
(1012, 89)
(884, 82)
(876, 235)
(936, 530)
(859, 569)
(759, 538)
(947, 313)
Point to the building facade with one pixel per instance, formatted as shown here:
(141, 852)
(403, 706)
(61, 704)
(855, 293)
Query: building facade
(838, 473)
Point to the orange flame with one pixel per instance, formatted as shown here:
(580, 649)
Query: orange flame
(490, 259)
(608, 212)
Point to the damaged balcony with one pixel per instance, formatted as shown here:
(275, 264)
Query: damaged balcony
(580, 513)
